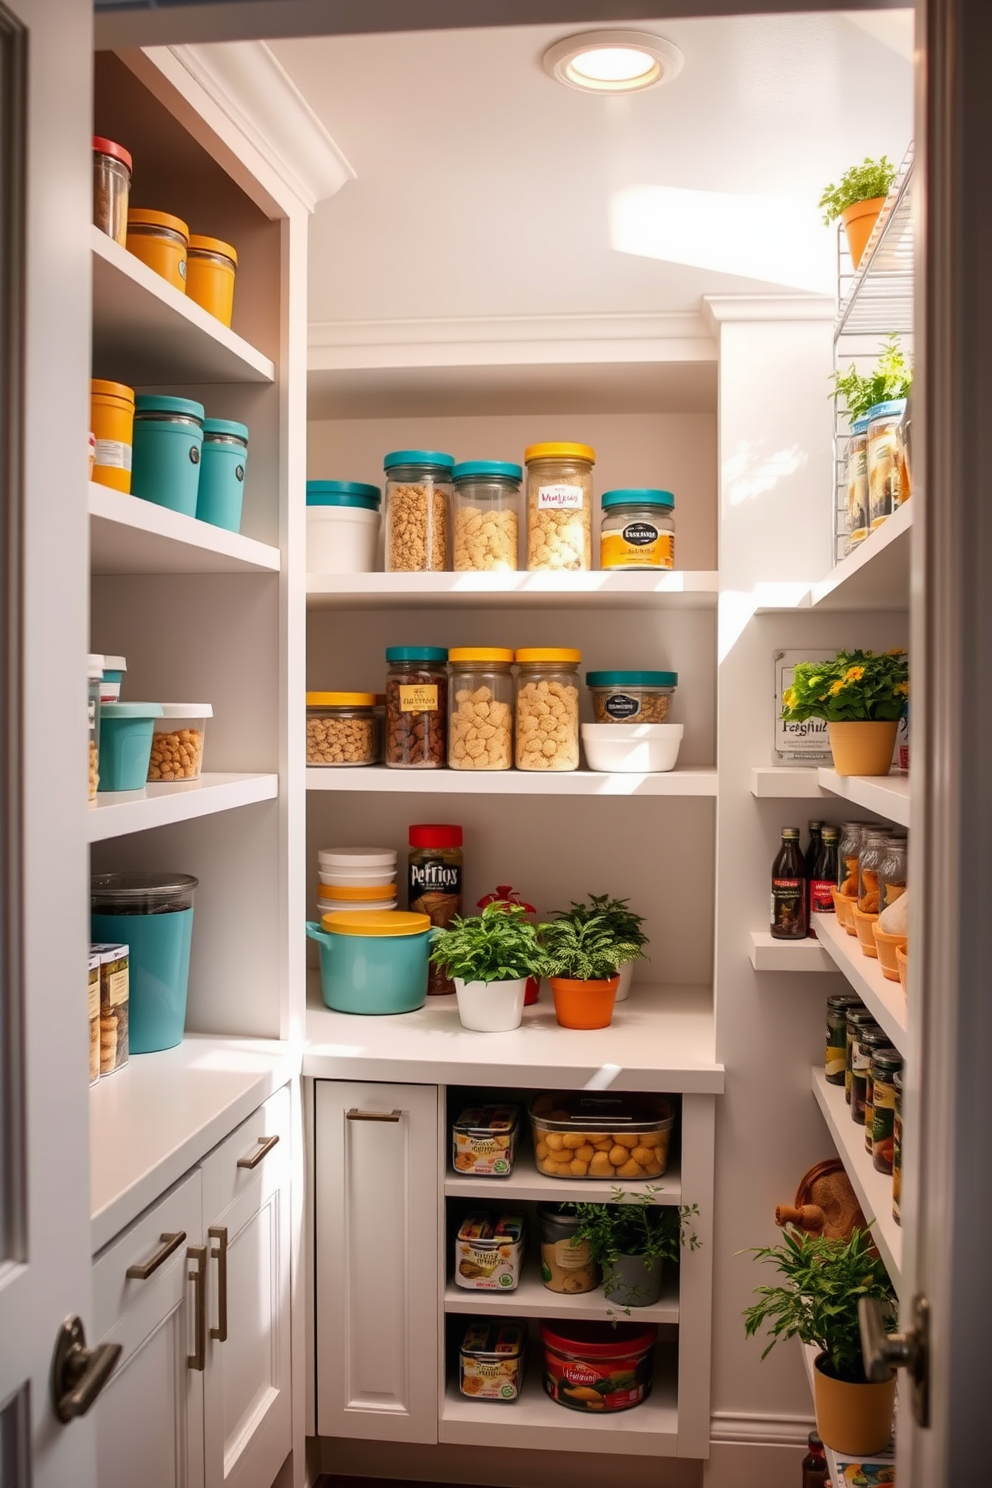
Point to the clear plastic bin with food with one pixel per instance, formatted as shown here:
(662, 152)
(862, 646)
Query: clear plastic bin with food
(484, 1140)
(602, 1136)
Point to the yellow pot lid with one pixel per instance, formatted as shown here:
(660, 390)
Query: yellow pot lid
(548, 653)
(331, 893)
(212, 245)
(340, 699)
(375, 922)
(559, 452)
(144, 217)
(111, 389)
(480, 653)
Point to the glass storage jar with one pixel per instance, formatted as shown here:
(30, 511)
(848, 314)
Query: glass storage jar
(418, 511)
(874, 846)
(631, 697)
(559, 506)
(848, 853)
(161, 241)
(857, 484)
(342, 728)
(638, 530)
(417, 707)
(480, 726)
(94, 681)
(892, 873)
(177, 742)
(887, 487)
(111, 187)
(885, 1065)
(835, 1060)
(897, 1149)
(487, 515)
(873, 1044)
(548, 709)
(434, 884)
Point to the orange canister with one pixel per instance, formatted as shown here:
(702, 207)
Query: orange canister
(210, 271)
(161, 241)
(112, 422)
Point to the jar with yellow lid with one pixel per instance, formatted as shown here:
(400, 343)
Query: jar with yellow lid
(480, 709)
(161, 241)
(112, 423)
(342, 729)
(211, 267)
(548, 708)
(559, 507)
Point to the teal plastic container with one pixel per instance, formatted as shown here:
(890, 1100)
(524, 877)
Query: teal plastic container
(126, 744)
(166, 453)
(223, 466)
(152, 913)
(373, 961)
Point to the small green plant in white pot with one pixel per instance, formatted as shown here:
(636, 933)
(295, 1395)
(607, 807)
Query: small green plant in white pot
(621, 921)
(631, 1238)
(489, 957)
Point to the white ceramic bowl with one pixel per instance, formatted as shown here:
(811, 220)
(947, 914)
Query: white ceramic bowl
(632, 748)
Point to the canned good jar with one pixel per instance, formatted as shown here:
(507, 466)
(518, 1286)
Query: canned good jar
(418, 511)
(631, 697)
(94, 682)
(111, 187)
(486, 515)
(211, 267)
(342, 526)
(177, 742)
(416, 707)
(892, 873)
(484, 1140)
(559, 506)
(857, 1017)
(858, 504)
(875, 1044)
(112, 420)
(488, 1252)
(93, 1007)
(874, 847)
(598, 1366)
(491, 1359)
(434, 883)
(887, 484)
(342, 729)
(168, 442)
(373, 963)
(480, 714)
(152, 914)
(547, 709)
(126, 744)
(161, 241)
(115, 996)
(835, 1062)
(897, 1079)
(567, 1264)
(114, 668)
(886, 1067)
(601, 1136)
(223, 465)
(638, 529)
(866, 1036)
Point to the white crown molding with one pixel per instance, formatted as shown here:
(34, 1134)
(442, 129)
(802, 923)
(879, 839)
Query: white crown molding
(718, 309)
(789, 1431)
(256, 93)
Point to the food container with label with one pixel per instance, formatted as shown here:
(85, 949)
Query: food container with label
(480, 712)
(126, 744)
(567, 1264)
(211, 268)
(357, 867)
(559, 506)
(484, 1141)
(602, 1136)
(547, 713)
(93, 1004)
(416, 707)
(331, 898)
(373, 963)
(874, 847)
(598, 1366)
(631, 697)
(491, 1359)
(112, 422)
(888, 481)
(835, 1060)
(111, 188)
(177, 742)
(486, 515)
(223, 466)
(161, 241)
(892, 872)
(152, 914)
(342, 729)
(94, 682)
(867, 1036)
(342, 526)
(637, 530)
(897, 1080)
(418, 511)
(858, 504)
(115, 993)
(886, 1064)
(434, 883)
(114, 668)
(168, 444)
(488, 1251)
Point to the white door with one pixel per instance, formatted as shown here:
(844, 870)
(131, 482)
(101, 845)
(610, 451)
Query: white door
(45, 209)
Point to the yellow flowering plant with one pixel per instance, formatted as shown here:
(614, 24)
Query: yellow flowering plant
(856, 687)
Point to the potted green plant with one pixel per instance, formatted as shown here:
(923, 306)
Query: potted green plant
(625, 924)
(582, 957)
(890, 378)
(489, 957)
(857, 199)
(631, 1238)
(817, 1302)
(862, 696)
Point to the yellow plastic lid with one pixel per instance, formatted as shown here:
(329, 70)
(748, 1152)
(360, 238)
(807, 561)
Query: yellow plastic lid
(112, 389)
(212, 245)
(348, 895)
(144, 217)
(340, 699)
(380, 922)
(548, 653)
(559, 452)
(480, 653)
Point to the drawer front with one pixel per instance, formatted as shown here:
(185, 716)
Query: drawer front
(226, 1174)
(114, 1292)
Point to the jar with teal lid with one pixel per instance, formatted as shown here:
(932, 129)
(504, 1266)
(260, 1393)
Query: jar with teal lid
(858, 504)
(631, 697)
(168, 444)
(342, 526)
(637, 530)
(486, 515)
(888, 477)
(222, 473)
(419, 491)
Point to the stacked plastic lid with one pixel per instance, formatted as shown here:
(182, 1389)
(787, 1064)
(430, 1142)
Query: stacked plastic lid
(356, 878)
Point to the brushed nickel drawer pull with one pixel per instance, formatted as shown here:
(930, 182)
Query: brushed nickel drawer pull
(267, 1145)
(355, 1115)
(219, 1233)
(170, 1243)
(198, 1255)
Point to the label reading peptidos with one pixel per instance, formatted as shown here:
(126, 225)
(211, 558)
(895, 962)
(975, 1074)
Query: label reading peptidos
(418, 697)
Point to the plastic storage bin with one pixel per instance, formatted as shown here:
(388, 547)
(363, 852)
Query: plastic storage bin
(559, 506)
(638, 530)
(177, 742)
(598, 1366)
(602, 1136)
(547, 709)
(631, 697)
(486, 515)
(168, 445)
(480, 708)
(223, 466)
(373, 963)
(211, 269)
(111, 188)
(484, 1140)
(632, 748)
(418, 511)
(491, 1359)
(114, 668)
(161, 241)
(342, 526)
(152, 913)
(126, 745)
(489, 1249)
(112, 422)
(342, 729)
(94, 682)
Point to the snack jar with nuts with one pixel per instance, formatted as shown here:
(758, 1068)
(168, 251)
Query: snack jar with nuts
(417, 707)
(94, 673)
(481, 711)
(418, 511)
(631, 697)
(487, 515)
(559, 506)
(342, 729)
(177, 742)
(111, 188)
(548, 709)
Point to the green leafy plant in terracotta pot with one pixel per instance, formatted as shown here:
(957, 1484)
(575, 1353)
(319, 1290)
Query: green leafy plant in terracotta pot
(582, 959)
(890, 378)
(631, 1238)
(857, 198)
(862, 696)
(490, 957)
(623, 921)
(817, 1302)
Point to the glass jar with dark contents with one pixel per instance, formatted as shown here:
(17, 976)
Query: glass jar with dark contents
(886, 1068)
(867, 1036)
(857, 1017)
(897, 1079)
(835, 1062)
(873, 1046)
(416, 707)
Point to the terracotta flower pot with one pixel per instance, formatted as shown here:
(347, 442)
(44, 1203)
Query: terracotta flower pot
(853, 1419)
(584, 1004)
(859, 219)
(864, 927)
(887, 947)
(862, 748)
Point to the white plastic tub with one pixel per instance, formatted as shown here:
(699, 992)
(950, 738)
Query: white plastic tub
(632, 748)
(342, 527)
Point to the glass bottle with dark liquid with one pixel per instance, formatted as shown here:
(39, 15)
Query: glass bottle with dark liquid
(789, 918)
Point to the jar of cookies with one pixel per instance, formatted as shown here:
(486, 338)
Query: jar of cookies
(548, 709)
(480, 712)
(417, 707)
(559, 506)
(342, 729)
(418, 511)
(487, 516)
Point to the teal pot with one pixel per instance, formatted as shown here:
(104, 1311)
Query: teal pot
(126, 744)
(634, 1281)
(168, 442)
(373, 961)
(223, 465)
(152, 914)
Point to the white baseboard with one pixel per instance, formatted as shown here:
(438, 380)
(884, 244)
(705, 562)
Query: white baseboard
(754, 1430)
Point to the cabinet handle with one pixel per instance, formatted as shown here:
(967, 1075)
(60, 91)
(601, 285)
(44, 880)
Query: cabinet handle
(267, 1144)
(198, 1277)
(219, 1233)
(170, 1243)
(355, 1115)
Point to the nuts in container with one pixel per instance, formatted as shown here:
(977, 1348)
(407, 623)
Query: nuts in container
(177, 742)
(487, 501)
(418, 511)
(631, 697)
(417, 707)
(601, 1136)
(481, 722)
(559, 506)
(342, 729)
(547, 709)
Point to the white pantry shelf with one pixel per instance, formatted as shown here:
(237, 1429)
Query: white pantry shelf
(885, 999)
(769, 954)
(687, 782)
(147, 334)
(785, 783)
(876, 575)
(532, 1299)
(116, 813)
(131, 536)
(611, 591)
(886, 795)
(527, 1185)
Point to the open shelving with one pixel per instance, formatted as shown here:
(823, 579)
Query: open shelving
(785, 783)
(885, 999)
(886, 795)
(769, 954)
(131, 536)
(874, 1189)
(527, 1184)
(677, 590)
(379, 778)
(876, 575)
(532, 1299)
(116, 813)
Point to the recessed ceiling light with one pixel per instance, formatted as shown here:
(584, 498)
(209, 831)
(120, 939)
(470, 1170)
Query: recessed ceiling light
(613, 61)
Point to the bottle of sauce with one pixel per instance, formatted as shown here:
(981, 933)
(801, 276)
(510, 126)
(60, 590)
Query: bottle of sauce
(789, 918)
(434, 883)
(814, 1464)
(824, 876)
(810, 860)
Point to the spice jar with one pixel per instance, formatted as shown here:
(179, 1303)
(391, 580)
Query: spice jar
(886, 1066)
(211, 268)
(548, 709)
(94, 677)
(886, 460)
(897, 1149)
(416, 707)
(631, 697)
(111, 186)
(434, 884)
(857, 1017)
(559, 506)
(418, 511)
(857, 484)
(638, 529)
(835, 1061)
(874, 847)
(487, 515)
(873, 1044)
(161, 241)
(567, 1265)
(865, 1037)
(892, 873)
(342, 728)
(480, 729)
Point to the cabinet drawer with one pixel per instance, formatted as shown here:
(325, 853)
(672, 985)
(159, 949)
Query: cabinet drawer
(226, 1172)
(114, 1292)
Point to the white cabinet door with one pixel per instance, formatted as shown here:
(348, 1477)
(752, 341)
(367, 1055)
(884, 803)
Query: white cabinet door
(376, 1245)
(246, 1206)
(149, 1419)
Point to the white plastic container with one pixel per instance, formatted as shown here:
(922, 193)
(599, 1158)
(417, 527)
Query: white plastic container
(357, 857)
(632, 748)
(177, 742)
(335, 906)
(114, 668)
(357, 868)
(490, 1007)
(342, 527)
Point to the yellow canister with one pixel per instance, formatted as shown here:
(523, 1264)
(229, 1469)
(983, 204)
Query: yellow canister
(638, 529)
(161, 241)
(210, 272)
(112, 422)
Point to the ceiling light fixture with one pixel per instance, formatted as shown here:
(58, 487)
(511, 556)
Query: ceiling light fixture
(613, 61)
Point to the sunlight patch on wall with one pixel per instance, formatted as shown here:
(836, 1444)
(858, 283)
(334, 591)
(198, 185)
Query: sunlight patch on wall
(749, 472)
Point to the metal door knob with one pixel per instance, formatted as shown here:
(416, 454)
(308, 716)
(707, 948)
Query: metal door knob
(882, 1352)
(79, 1373)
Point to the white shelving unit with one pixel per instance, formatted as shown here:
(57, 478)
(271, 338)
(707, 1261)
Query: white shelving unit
(886, 795)
(785, 783)
(130, 536)
(615, 591)
(527, 1184)
(117, 813)
(876, 575)
(885, 999)
(768, 954)
(380, 778)
(532, 1299)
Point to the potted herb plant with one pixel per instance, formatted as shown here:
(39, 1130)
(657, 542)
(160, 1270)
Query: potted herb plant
(890, 378)
(861, 695)
(630, 1239)
(625, 924)
(507, 894)
(857, 199)
(582, 959)
(817, 1302)
(489, 957)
